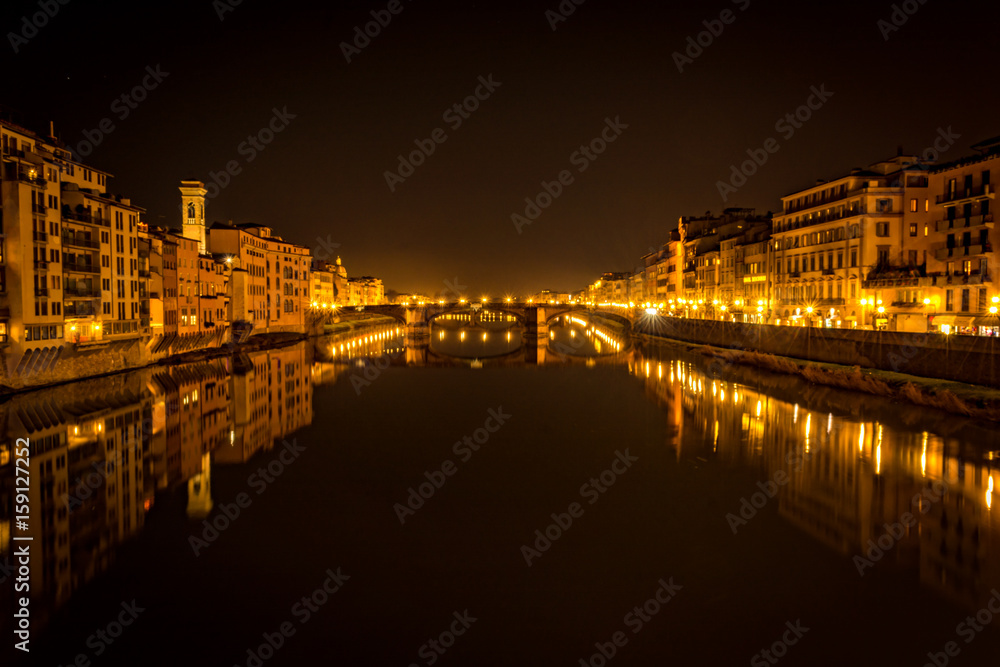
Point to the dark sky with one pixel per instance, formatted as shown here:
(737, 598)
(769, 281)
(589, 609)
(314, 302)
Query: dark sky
(322, 178)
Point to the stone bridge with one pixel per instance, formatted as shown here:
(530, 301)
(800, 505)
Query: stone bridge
(534, 318)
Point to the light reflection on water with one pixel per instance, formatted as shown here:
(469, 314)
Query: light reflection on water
(854, 463)
(856, 470)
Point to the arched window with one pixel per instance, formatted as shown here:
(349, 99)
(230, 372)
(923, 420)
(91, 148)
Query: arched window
(191, 210)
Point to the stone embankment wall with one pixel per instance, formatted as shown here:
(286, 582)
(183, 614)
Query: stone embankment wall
(971, 359)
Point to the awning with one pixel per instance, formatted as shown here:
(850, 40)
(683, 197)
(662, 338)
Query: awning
(988, 321)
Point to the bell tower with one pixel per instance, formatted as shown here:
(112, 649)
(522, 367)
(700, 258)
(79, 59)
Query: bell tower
(193, 212)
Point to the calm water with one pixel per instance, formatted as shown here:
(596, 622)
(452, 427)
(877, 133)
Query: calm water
(410, 481)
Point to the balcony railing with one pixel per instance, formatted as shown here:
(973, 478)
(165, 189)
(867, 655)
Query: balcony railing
(81, 268)
(963, 251)
(962, 194)
(33, 180)
(41, 264)
(963, 222)
(38, 208)
(72, 309)
(41, 237)
(80, 241)
(41, 291)
(82, 293)
(85, 218)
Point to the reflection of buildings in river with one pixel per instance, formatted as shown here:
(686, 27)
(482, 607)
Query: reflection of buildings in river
(959, 550)
(854, 477)
(190, 415)
(271, 400)
(86, 475)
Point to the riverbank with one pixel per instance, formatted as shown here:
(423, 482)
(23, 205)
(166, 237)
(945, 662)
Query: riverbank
(959, 398)
(254, 344)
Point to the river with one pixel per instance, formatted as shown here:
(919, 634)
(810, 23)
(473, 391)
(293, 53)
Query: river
(483, 498)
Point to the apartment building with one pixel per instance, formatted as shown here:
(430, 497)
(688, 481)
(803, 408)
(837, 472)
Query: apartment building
(713, 260)
(69, 252)
(278, 281)
(833, 238)
(365, 291)
(960, 243)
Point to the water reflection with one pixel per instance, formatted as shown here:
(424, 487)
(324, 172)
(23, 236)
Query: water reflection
(104, 452)
(855, 466)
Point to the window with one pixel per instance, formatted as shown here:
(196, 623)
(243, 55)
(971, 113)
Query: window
(840, 260)
(965, 300)
(949, 300)
(926, 228)
(913, 227)
(913, 258)
(913, 205)
(881, 229)
(854, 258)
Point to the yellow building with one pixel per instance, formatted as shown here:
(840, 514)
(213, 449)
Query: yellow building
(68, 261)
(277, 275)
(830, 239)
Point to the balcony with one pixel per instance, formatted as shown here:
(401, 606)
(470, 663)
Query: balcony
(41, 264)
(72, 309)
(829, 272)
(41, 291)
(962, 251)
(972, 222)
(824, 201)
(81, 292)
(85, 217)
(81, 268)
(80, 241)
(32, 180)
(39, 209)
(41, 237)
(966, 195)
(143, 273)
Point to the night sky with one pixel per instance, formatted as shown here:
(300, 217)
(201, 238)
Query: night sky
(322, 179)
